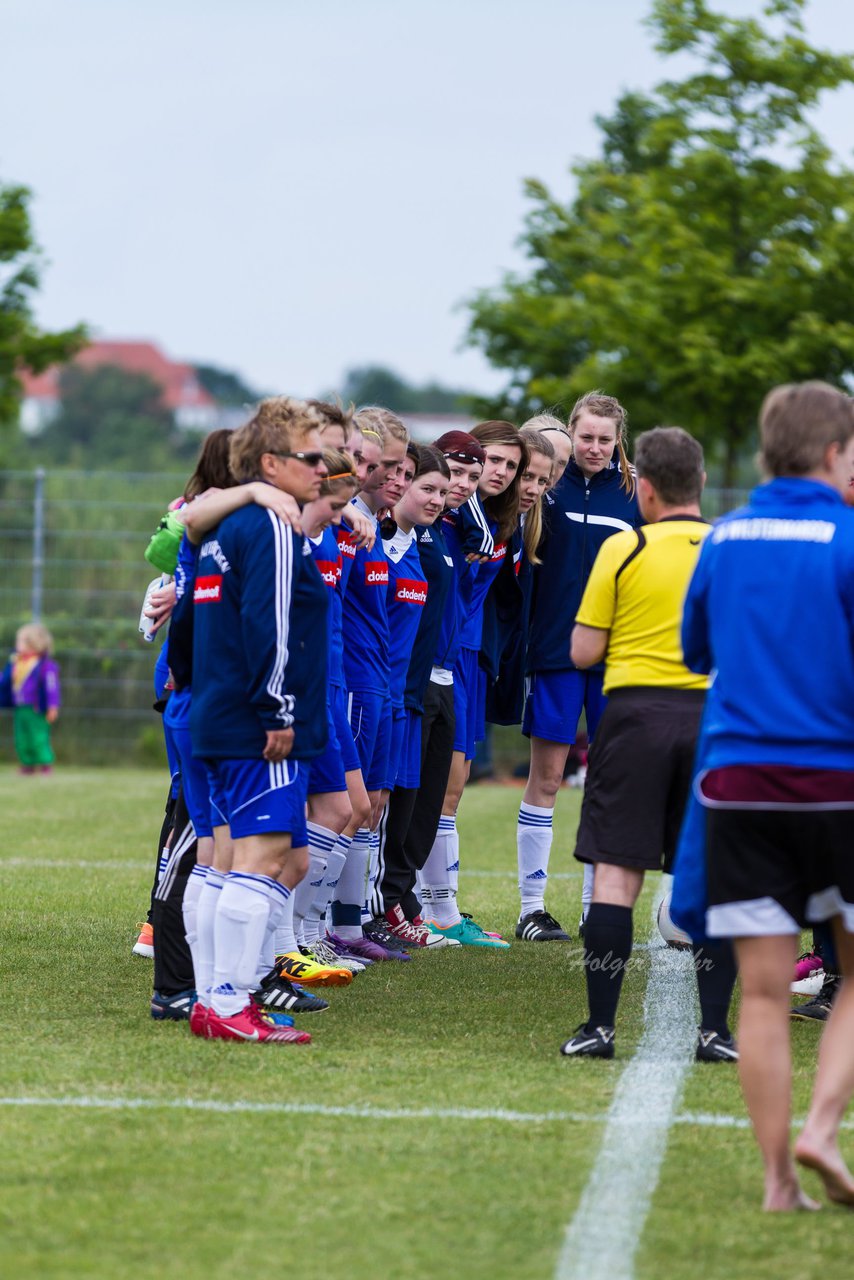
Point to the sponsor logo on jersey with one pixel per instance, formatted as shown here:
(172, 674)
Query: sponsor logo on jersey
(330, 572)
(346, 543)
(208, 590)
(425, 537)
(376, 573)
(411, 591)
(499, 551)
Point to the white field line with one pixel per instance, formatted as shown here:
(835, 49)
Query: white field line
(697, 1119)
(603, 1235)
(135, 864)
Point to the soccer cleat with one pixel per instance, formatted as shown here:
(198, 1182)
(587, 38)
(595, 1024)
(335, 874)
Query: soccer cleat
(144, 945)
(199, 1020)
(466, 915)
(415, 935)
(362, 948)
(276, 993)
(277, 1019)
(540, 926)
(376, 932)
(598, 1043)
(251, 1024)
(712, 1047)
(818, 1009)
(299, 968)
(468, 933)
(806, 964)
(323, 954)
(174, 1008)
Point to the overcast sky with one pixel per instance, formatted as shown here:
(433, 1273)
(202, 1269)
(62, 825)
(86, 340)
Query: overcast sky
(292, 187)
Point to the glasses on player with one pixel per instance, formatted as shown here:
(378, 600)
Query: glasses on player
(310, 459)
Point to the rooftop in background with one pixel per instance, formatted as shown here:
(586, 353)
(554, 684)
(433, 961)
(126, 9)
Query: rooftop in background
(191, 404)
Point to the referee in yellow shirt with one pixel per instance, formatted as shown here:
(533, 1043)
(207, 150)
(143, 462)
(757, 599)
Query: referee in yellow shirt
(641, 761)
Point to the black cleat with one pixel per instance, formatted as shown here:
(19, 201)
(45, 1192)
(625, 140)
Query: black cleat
(712, 1047)
(540, 926)
(383, 937)
(598, 1043)
(175, 1008)
(279, 995)
(818, 1009)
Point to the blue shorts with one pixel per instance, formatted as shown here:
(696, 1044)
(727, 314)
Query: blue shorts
(256, 798)
(370, 721)
(377, 771)
(343, 732)
(398, 731)
(194, 780)
(326, 771)
(555, 701)
(409, 764)
(467, 684)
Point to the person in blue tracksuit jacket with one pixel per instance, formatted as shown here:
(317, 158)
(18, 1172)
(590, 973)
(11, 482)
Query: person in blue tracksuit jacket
(259, 710)
(770, 613)
(594, 499)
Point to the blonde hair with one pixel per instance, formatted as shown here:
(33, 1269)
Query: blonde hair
(545, 422)
(33, 638)
(533, 531)
(341, 473)
(602, 406)
(797, 423)
(279, 423)
(373, 417)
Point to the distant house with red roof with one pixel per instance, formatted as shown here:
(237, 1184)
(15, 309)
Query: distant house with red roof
(192, 406)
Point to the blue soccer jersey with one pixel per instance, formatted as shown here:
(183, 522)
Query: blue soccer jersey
(438, 568)
(365, 620)
(407, 596)
(328, 558)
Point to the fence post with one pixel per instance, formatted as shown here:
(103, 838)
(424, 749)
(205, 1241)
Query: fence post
(38, 545)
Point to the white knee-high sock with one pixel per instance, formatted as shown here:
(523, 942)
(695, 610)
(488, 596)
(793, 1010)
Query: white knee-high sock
(448, 827)
(314, 924)
(349, 896)
(533, 847)
(190, 909)
(239, 928)
(203, 957)
(285, 939)
(321, 842)
(373, 875)
(267, 957)
(438, 892)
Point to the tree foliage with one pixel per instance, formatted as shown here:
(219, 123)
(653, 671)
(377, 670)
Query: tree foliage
(22, 343)
(708, 253)
(375, 384)
(111, 419)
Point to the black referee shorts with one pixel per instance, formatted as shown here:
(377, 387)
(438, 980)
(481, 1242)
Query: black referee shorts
(639, 777)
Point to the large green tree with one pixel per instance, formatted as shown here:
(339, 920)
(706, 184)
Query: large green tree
(22, 343)
(708, 252)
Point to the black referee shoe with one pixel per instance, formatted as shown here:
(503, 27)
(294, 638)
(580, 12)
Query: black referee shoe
(712, 1047)
(540, 926)
(598, 1043)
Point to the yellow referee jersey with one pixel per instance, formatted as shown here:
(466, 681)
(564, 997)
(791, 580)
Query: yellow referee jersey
(636, 591)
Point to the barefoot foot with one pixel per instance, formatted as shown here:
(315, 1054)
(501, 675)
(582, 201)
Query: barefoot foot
(788, 1199)
(830, 1167)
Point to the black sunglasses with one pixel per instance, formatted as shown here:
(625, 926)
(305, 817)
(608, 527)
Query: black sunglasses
(310, 459)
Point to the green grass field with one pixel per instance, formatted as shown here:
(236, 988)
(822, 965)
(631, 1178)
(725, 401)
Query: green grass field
(114, 1192)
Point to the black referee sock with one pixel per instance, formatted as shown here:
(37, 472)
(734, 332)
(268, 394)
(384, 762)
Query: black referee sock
(716, 973)
(607, 948)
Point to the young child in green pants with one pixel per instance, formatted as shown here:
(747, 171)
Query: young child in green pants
(30, 686)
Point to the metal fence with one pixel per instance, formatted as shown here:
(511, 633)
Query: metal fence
(72, 556)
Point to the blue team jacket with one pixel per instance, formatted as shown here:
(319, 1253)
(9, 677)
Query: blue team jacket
(578, 516)
(770, 611)
(438, 569)
(259, 640)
